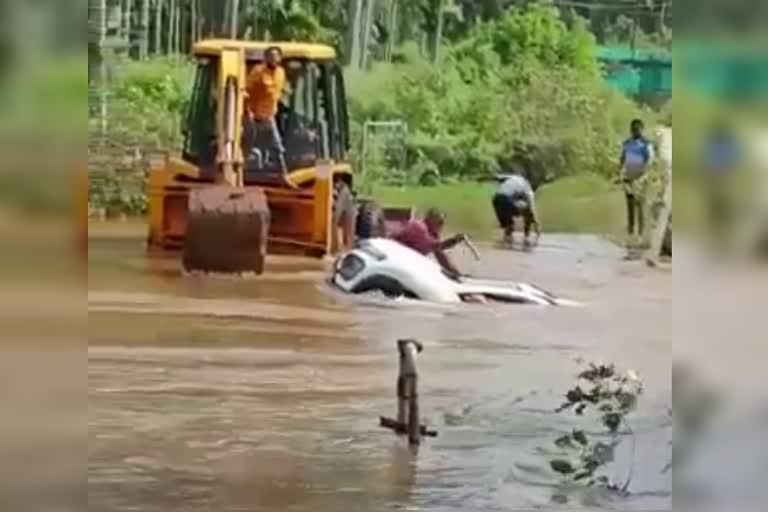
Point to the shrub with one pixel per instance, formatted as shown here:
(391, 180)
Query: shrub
(522, 91)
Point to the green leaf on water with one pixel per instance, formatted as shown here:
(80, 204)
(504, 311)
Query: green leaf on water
(612, 421)
(560, 499)
(575, 395)
(580, 437)
(562, 466)
(603, 453)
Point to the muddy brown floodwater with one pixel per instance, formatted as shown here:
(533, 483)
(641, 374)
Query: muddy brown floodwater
(264, 394)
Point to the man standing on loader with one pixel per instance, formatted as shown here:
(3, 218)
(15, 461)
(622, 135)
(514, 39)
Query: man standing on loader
(264, 88)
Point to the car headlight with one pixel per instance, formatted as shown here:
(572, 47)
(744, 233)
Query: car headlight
(350, 266)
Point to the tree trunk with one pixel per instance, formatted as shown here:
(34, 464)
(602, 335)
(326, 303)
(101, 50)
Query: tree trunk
(129, 23)
(391, 29)
(97, 69)
(439, 33)
(225, 21)
(365, 44)
(234, 18)
(174, 34)
(170, 35)
(435, 38)
(255, 20)
(662, 29)
(97, 20)
(177, 30)
(144, 30)
(158, 27)
(354, 30)
(192, 23)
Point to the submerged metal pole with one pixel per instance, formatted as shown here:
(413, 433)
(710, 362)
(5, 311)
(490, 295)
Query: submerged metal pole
(409, 378)
(408, 415)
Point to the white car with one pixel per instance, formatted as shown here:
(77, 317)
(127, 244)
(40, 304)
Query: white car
(386, 266)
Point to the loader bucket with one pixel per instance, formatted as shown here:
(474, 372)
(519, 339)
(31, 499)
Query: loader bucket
(227, 230)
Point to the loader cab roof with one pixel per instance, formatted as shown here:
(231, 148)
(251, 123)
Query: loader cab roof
(255, 49)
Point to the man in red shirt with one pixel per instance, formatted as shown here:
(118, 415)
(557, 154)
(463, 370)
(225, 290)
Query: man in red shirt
(423, 236)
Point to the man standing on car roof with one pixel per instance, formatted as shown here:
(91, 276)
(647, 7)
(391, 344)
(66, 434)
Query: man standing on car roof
(423, 236)
(515, 198)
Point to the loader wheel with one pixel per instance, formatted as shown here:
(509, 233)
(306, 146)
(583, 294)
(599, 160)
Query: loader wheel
(370, 221)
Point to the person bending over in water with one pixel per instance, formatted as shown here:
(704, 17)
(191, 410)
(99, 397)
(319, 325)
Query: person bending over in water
(423, 236)
(515, 198)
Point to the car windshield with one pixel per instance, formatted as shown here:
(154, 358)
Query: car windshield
(372, 251)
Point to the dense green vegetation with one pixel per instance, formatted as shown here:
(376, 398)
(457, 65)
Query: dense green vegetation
(364, 30)
(513, 88)
(520, 91)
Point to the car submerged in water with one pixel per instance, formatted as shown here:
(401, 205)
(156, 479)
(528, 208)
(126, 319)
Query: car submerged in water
(388, 267)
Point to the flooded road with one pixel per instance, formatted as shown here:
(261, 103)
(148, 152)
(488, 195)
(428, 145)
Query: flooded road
(264, 394)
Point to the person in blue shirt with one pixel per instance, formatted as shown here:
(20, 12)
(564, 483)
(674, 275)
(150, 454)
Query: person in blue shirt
(634, 163)
(721, 154)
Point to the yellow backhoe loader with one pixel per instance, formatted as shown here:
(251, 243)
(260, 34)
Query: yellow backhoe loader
(224, 202)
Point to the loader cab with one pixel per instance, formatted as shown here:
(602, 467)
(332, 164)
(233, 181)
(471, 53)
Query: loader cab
(312, 115)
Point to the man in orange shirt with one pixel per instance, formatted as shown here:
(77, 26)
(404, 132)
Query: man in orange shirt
(264, 88)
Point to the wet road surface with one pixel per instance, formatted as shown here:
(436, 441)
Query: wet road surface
(264, 394)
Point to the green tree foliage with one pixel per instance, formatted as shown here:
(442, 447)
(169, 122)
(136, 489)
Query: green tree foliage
(515, 89)
(146, 102)
(519, 92)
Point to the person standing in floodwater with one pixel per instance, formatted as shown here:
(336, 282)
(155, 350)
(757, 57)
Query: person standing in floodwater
(634, 164)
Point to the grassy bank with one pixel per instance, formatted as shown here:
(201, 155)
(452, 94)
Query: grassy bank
(579, 204)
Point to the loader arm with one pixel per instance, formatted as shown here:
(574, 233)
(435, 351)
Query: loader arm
(230, 90)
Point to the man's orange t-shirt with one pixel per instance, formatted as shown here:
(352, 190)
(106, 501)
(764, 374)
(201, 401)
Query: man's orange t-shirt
(264, 87)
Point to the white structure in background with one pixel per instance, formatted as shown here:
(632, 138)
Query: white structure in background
(753, 237)
(664, 218)
(391, 129)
